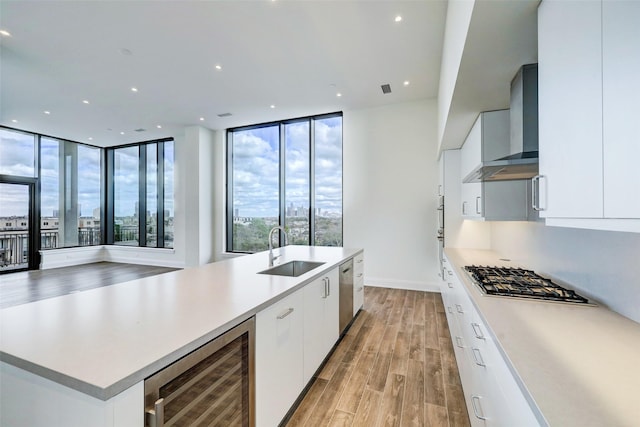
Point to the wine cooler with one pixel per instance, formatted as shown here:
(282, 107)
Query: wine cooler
(211, 386)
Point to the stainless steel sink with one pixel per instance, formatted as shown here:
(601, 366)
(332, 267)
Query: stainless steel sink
(292, 268)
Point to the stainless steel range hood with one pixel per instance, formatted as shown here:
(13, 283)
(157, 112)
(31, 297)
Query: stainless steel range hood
(523, 162)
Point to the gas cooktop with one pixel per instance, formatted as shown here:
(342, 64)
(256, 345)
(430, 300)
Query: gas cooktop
(520, 283)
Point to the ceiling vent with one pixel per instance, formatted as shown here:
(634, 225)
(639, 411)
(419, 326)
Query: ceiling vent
(224, 115)
(140, 130)
(386, 88)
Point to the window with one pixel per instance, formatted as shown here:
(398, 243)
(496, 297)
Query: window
(287, 173)
(142, 200)
(17, 153)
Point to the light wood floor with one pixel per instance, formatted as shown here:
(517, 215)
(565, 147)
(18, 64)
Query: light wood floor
(29, 286)
(394, 367)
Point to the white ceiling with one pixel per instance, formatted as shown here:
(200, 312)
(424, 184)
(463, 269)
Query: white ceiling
(295, 55)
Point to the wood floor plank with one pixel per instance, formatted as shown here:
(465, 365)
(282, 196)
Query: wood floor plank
(341, 419)
(417, 343)
(436, 416)
(456, 407)
(355, 387)
(431, 329)
(369, 409)
(323, 411)
(309, 402)
(400, 355)
(434, 380)
(380, 372)
(391, 411)
(376, 335)
(336, 358)
(413, 403)
(398, 305)
(353, 352)
(419, 311)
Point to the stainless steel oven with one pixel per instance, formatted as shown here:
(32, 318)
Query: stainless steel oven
(211, 386)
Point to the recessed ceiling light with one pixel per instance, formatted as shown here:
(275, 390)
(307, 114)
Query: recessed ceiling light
(398, 18)
(218, 67)
(406, 83)
(134, 89)
(85, 101)
(202, 119)
(272, 106)
(47, 112)
(5, 33)
(121, 133)
(159, 127)
(14, 121)
(338, 94)
(90, 138)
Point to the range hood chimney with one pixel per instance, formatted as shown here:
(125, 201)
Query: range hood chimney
(522, 163)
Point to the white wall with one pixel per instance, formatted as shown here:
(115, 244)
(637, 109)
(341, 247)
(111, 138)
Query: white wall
(390, 179)
(604, 265)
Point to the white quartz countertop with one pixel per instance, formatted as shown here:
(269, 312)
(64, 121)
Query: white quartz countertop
(579, 364)
(102, 341)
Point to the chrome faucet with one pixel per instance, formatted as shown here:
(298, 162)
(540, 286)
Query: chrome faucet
(271, 257)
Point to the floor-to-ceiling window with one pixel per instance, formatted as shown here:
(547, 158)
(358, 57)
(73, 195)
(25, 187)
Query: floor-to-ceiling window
(142, 201)
(286, 173)
(69, 204)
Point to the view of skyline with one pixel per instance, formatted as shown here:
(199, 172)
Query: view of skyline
(256, 174)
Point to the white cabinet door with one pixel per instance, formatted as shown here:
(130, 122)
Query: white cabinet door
(570, 108)
(358, 283)
(279, 358)
(621, 108)
(321, 311)
(470, 158)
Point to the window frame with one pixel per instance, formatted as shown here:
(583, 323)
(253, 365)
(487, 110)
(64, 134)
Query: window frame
(281, 176)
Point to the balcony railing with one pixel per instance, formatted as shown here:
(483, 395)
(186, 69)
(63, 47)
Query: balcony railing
(14, 245)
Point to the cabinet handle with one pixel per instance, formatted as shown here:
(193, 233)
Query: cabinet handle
(360, 275)
(360, 289)
(477, 357)
(478, 211)
(475, 398)
(325, 292)
(459, 309)
(478, 331)
(459, 342)
(328, 286)
(450, 309)
(359, 261)
(155, 416)
(450, 272)
(440, 190)
(535, 193)
(449, 284)
(285, 314)
(464, 211)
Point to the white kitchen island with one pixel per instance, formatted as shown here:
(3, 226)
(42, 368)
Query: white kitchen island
(81, 359)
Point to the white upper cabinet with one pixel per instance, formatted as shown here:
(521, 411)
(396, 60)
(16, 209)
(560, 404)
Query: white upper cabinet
(621, 107)
(570, 108)
(496, 200)
(588, 57)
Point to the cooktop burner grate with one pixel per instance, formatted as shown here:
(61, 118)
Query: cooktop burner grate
(518, 282)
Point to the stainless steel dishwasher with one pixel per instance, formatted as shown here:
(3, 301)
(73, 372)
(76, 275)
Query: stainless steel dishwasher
(346, 294)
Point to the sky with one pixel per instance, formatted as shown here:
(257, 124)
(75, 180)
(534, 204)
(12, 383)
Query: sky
(255, 168)
(17, 158)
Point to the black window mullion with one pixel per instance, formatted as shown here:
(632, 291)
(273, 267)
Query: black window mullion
(229, 191)
(142, 196)
(109, 209)
(34, 217)
(160, 181)
(312, 183)
(282, 184)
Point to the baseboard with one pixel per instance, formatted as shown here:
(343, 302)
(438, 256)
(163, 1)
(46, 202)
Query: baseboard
(142, 256)
(402, 284)
(68, 257)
